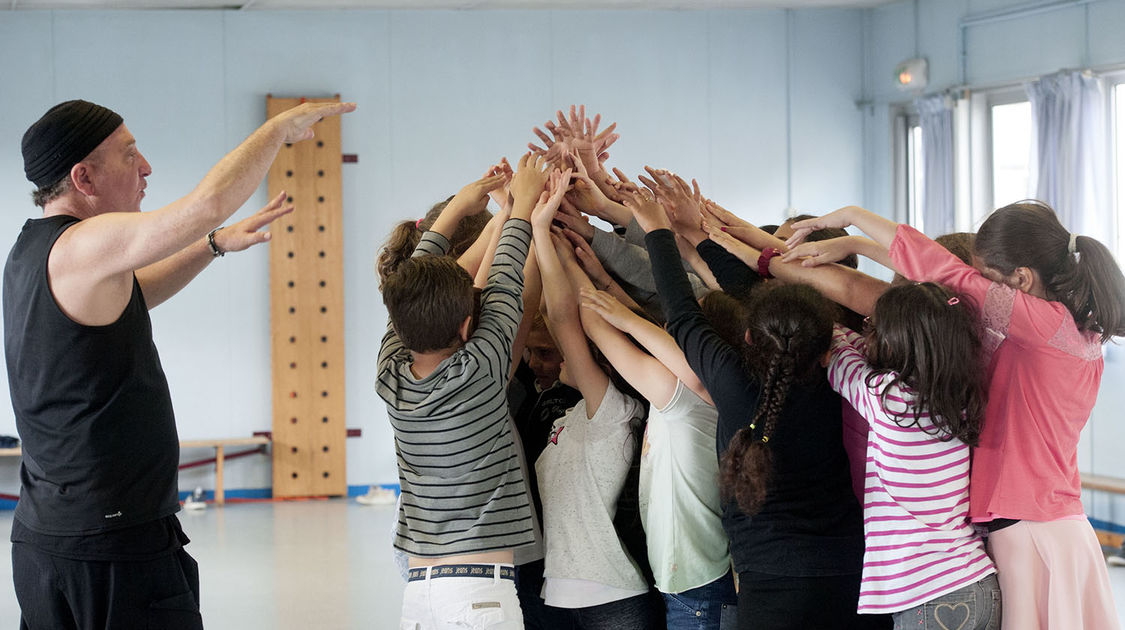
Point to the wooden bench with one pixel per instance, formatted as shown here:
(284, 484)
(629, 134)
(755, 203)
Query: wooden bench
(220, 454)
(219, 445)
(1105, 484)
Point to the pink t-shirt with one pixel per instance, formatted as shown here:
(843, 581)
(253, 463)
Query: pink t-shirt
(1043, 380)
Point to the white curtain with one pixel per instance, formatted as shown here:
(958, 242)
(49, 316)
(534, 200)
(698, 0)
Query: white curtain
(935, 115)
(1070, 154)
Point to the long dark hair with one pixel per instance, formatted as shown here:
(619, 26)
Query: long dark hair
(927, 340)
(1088, 282)
(790, 330)
(405, 235)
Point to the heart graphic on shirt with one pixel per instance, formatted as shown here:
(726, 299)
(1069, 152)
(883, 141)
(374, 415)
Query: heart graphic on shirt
(947, 615)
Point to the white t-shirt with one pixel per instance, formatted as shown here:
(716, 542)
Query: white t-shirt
(581, 473)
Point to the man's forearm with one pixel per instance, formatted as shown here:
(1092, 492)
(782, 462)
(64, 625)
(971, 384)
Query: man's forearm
(235, 177)
(163, 279)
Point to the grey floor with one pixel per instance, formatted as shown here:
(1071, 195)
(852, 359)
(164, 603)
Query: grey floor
(323, 565)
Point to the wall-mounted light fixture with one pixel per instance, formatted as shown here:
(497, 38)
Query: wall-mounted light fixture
(911, 75)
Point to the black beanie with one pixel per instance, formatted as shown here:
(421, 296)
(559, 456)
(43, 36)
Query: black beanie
(63, 137)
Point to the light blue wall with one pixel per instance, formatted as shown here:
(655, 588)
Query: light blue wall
(441, 96)
(998, 53)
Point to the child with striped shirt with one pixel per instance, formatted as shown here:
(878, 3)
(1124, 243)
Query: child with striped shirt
(465, 509)
(917, 378)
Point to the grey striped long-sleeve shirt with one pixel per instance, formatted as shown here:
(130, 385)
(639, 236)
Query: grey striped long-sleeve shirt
(462, 487)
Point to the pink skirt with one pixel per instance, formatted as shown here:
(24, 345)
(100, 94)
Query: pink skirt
(1053, 577)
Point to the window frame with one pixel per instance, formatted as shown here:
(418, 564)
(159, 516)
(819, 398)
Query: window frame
(992, 98)
(1113, 82)
(905, 119)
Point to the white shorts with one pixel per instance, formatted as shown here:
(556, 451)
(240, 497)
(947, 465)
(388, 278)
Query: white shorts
(456, 597)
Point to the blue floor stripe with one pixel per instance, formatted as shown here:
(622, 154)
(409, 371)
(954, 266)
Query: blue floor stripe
(1107, 526)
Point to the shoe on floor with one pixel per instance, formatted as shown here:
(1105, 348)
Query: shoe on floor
(1116, 560)
(377, 496)
(191, 503)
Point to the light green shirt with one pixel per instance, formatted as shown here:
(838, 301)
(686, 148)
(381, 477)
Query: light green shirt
(679, 495)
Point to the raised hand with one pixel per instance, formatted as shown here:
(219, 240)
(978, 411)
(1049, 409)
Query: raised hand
(612, 311)
(529, 180)
(549, 200)
(297, 122)
(648, 212)
(501, 196)
(583, 138)
(683, 203)
(565, 252)
(815, 253)
(554, 148)
(473, 197)
(588, 197)
(573, 220)
(588, 260)
(841, 218)
(714, 214)
(245, 234)
(616, 189)
(742, 251)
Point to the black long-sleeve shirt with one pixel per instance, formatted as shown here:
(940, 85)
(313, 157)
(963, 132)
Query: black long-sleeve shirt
(735, 277)
(811, 523)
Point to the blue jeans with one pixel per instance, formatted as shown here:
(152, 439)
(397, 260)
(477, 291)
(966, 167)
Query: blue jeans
(709, 607)
(973, 607)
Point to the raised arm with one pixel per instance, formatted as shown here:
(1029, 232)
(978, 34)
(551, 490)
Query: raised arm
(532, 294)
(691, 256)
(595, 272)
(880, 229)
(648, 375)
(716, 216)
(717, 364)
(664, 351)
(91, 266)
(813, 253)
(469, 200)
(562, 303)
(117, 242)
(163, 279)
(589, 198)
(843, 285)
(478, 257)
(735, 277)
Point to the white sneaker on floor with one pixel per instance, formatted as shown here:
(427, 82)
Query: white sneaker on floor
(377, 496)
(191, 503)
(1116, 560)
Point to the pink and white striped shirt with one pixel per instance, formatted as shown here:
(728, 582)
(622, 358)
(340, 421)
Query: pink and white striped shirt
(919, 542)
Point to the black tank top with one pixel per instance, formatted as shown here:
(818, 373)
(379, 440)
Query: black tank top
(100, 449)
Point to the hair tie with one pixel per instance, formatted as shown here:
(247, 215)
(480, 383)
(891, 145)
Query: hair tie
(418, 224)
(1073, 246)
(954, 301)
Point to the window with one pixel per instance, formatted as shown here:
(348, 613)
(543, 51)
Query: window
(1118, 109)
(1010, 126)
(915, 175)
(909, 173)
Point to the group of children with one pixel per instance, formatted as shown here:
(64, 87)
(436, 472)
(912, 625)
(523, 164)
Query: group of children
(693, 422)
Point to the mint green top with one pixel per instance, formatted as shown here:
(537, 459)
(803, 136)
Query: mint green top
(679, 495)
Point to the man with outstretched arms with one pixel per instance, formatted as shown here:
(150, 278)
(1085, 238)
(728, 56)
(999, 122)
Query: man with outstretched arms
(95, 540)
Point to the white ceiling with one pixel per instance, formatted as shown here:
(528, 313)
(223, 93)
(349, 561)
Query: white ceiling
(253, 5)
